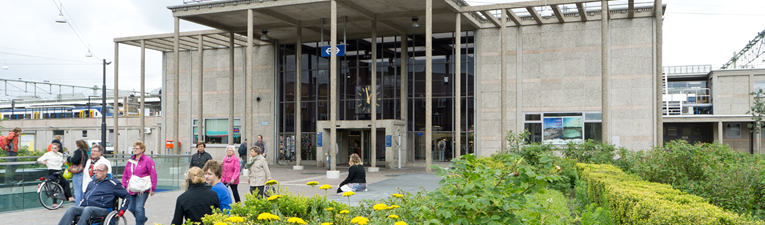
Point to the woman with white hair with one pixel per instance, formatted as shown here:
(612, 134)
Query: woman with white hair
(231, 168)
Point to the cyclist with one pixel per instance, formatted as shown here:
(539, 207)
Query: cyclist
(54, 160)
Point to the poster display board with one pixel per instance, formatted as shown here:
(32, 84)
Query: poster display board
(561, 130)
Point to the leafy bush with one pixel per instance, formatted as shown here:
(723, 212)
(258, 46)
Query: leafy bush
(634, 201)
(590, 152)
(731, 180)
(555, 205)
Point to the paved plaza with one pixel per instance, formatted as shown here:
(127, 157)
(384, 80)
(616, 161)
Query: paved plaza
(160, 207)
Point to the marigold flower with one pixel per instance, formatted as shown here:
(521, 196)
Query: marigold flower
(348, 194)
(312, 183)
(344, 211)
(327, 223)
(295, 220)
(360, 220)
(398, 195)
(329, 209)
(380, 206)
(235, 219)
(325, 187)
(268, 216)
(271, 182)
(221, 223)
(393, 216)
(394, 207)
(274, 197)
(399, 223)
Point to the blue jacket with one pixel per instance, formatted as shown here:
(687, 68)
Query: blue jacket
(101, 194)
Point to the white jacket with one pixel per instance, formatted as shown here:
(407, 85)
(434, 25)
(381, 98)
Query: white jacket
(86, 179)
(54, 160)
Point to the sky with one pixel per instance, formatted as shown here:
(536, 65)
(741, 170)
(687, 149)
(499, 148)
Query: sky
(36, 48)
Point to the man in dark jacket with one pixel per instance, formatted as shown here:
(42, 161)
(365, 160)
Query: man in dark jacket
(201, 157)
(242, 154)
(98, 199)
(261, 144)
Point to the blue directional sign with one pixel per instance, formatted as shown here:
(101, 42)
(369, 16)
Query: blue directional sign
(319, 139)
(339, 52)
(388, 141)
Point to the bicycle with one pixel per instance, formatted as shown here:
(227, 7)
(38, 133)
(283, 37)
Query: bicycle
(285, 159)
(50, 192)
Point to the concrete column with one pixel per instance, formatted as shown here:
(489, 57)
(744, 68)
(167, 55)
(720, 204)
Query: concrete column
(605, 78)
(658, 14)
(231, 88)
(404, 96)
(373, 104)
(176, 86)
(333, 85)
(519, 118)
(458, 85)
(116, 95)
(248, 82)
(503, 78)
(201, 128)
(720, 134)
(143, 91)
(298, 95)
(428, 84)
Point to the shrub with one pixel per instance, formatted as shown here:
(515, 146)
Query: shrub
(555, 205)
(634, 201)
(590, 152)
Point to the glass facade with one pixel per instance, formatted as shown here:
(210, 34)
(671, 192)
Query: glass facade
(354, 88)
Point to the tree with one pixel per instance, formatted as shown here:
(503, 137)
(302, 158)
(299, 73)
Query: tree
(757, 111)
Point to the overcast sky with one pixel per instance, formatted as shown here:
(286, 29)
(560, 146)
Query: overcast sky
(36, 48)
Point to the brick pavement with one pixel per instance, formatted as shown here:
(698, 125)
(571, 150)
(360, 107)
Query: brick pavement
(160, 207)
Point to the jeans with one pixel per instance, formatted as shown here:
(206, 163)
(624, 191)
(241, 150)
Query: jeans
(441, 155)
(137, 207)
(85, 213)
(242, 161)
(77, 182)
(10, 170)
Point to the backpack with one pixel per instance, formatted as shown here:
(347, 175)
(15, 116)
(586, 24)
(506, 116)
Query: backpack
(242, 150)
(5, 141)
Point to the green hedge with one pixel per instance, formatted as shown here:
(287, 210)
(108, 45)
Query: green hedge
(634, 201)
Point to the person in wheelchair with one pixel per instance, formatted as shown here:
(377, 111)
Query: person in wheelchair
(98, 199)
(54, 160)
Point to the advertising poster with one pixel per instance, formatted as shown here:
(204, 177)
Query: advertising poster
(561, 130)
(553, 130)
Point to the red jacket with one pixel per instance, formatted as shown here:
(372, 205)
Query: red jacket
(230, 170)
(13, 141)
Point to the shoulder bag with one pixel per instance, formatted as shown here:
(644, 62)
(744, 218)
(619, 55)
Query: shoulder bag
(138, 184)
(75, 169)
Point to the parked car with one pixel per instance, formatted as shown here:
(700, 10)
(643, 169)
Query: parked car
(109, 148)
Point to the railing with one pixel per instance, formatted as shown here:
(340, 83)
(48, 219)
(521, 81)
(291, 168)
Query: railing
(18, 180)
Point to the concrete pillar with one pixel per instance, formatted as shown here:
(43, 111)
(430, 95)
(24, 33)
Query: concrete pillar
(333, 85)
(604, 76)
(503, 79)
(176, 85)
(201, 128)
(720, 134)
(404, 96)
(248, 82)
(658, 14)
(116, 106)
(143, 91)
(373, 133)
(428, 84)
(298, 95)
(458, 85)
(231, 88)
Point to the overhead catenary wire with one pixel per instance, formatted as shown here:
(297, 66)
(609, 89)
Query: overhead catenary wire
(70, 22)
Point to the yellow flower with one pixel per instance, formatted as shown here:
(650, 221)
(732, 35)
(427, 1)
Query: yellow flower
(325, 187)
(327, 223)
(398, 195)
(271, 182)
(393, 216)
(330, 209)
(295, 220)
(312, 183)
(344, 211)
(394, 206)
(348, 194)
(360, 220)
(235, 219)
(399, 223)
(274, 197)
(380, 206)
(221, 223)
(268, 216)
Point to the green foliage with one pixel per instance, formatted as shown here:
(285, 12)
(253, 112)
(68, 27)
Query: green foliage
(555, 205)
(596, 215)
(634, 201)
(590, 152)
(731, 180)
(757, 111)
(515, 141)
(472, 193)
(24, 151)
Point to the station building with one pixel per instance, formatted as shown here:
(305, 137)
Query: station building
(424, 71)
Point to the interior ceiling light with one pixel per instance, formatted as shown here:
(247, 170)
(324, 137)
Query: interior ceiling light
(265, 35)
(415, 24)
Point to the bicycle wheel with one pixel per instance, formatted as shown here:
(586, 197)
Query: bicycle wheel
(282, 160)
(112, 219)
(48, 195)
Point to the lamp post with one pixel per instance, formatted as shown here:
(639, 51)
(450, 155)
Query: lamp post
(103, 109)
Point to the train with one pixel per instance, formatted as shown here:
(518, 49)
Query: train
(56, 112)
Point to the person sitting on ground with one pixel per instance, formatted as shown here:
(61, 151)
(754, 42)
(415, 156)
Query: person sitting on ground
(357, 178)
(54, 160)
(213, 171)
(196, 201)
(98, 199)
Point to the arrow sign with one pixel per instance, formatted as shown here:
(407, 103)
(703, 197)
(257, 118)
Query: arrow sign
(340, 51)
